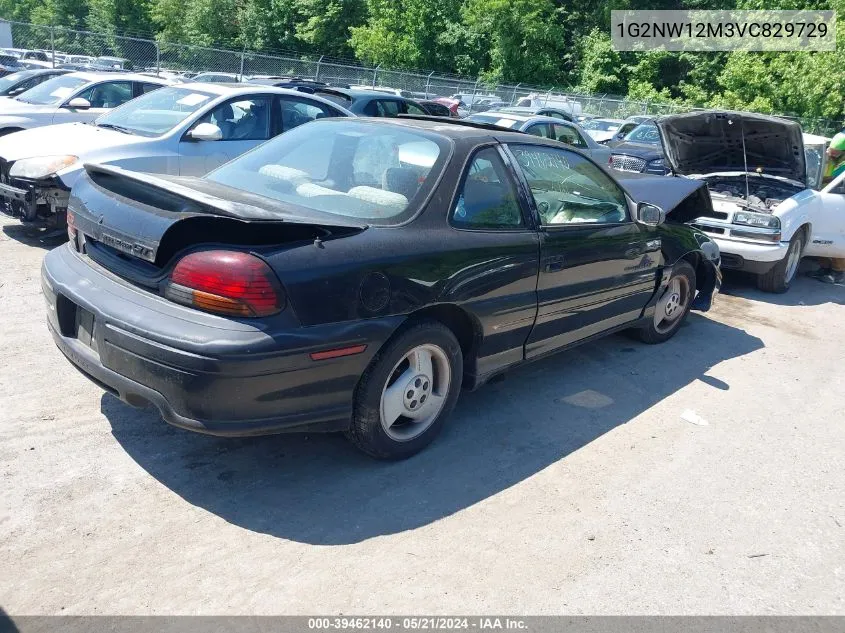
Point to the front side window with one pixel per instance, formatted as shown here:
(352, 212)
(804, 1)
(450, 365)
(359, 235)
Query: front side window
(388, 108)
(347, 168)
(109, 94)
(487, 199)
(569, 188)
(53, 91)
(540, 129)
(243, 119)
(157, 112)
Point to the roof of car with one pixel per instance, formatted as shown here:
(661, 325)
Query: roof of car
(522, 118)
(95, 76)
(360, 93)
(235, 88)
(450, 128)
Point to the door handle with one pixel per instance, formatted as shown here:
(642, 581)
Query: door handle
(552, 264)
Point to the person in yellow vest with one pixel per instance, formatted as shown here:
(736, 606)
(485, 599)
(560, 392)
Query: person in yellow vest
(832, 270)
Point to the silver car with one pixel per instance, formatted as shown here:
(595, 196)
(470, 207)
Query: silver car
(547, 127)
(72, 97)
(183, 130)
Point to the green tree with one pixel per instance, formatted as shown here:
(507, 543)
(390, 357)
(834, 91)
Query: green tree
(326, 24)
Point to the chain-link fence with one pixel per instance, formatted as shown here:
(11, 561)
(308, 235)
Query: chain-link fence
(68, 46)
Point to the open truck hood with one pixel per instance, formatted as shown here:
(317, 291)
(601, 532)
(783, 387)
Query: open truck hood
(710, 142)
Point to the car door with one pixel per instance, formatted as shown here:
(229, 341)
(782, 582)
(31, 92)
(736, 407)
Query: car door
(244, 122)
(103, 97)
(500, 245)
(598, 268)
(827, 214)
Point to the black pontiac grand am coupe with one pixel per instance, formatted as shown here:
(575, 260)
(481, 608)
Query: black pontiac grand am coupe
(352, 275)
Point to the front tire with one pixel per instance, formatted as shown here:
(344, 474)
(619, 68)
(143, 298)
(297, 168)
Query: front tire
(780, 276)
(673, 305)
(407, 392)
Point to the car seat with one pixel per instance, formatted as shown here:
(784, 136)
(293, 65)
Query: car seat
(400, 180)
(224, 118)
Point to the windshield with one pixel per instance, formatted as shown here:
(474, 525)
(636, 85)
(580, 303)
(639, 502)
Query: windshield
(11, 80)
(494, 119)
(814, 156)
(644, 133)
(601, 125)
(53, 91)
(156, 112)
(377, 173)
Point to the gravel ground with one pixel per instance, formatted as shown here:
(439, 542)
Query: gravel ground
(574, 486)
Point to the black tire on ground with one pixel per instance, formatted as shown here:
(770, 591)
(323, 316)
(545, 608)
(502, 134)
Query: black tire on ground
(776, 279)
(685, 273)
(366, 430)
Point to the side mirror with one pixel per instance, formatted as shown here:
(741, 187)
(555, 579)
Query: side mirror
(650, 214)
(205, 132)
(78, 103)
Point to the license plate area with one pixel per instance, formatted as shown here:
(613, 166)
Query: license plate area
(75, 321)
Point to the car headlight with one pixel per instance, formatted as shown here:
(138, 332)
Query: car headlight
(40, 166)
(657, 162)
(762, 220)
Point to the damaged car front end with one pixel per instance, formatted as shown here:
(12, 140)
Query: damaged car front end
(752, 164)
(32, 191)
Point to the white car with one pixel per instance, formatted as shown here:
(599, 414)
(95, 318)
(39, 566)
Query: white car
(72, 97)
(183, 130)
(765, 218)
(601, 130)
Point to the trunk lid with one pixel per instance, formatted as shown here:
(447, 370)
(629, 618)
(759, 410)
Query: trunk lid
(144, 220)
(710, 142)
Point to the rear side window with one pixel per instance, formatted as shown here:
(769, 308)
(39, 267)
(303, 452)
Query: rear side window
(387, 108)
(145, 87)
(294, 112)
(414, 109)
(488, 198)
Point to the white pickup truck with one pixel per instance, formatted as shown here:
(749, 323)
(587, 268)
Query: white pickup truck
(765, 217)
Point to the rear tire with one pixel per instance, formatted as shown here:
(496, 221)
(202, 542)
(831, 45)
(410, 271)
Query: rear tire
(409, 389)
(780, 275)
(672, 306)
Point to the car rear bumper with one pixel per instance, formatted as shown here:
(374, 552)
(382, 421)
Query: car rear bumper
(202, 372)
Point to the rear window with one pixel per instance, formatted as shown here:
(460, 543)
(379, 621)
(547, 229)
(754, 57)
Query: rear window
(335, 97)
(495, 119)
(376, 173)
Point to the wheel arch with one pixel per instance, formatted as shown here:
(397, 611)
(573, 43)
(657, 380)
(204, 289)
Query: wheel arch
(464, 326)
(11, 130)
(462, 323)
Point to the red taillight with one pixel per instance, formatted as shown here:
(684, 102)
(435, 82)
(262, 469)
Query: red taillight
(71, 228)
(226, 282)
